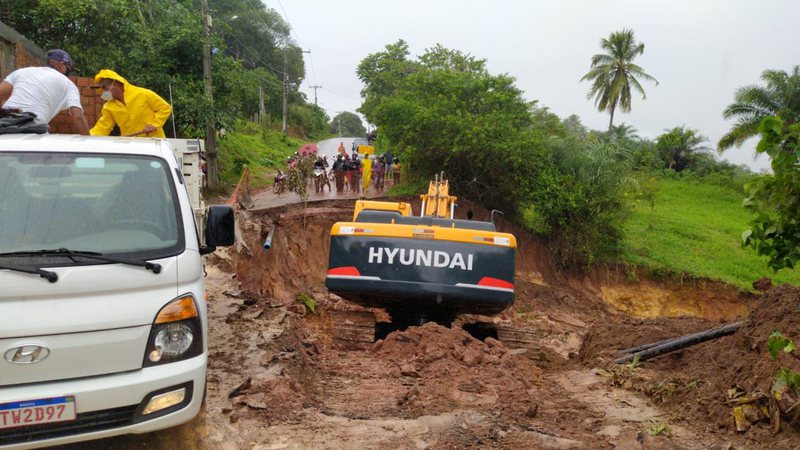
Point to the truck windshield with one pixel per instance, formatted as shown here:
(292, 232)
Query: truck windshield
(110, 204)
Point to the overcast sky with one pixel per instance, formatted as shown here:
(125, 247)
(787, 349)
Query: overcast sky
(700, 51)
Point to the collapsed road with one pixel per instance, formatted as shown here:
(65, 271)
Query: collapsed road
(538, 375)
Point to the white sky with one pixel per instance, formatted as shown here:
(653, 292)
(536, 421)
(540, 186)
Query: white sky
(700, 51)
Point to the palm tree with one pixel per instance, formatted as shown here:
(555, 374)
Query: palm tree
(780, 97)
(613, 73)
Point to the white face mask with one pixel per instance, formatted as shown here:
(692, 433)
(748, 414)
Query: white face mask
(107, 96)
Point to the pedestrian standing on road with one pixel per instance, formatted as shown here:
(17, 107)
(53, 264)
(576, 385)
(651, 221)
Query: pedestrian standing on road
(135, 110)
(389, 158)
(395, 171)
(338, 172)
(44, 91)
(342, 151)
(366, 168)
(378, 173)
(356, 170)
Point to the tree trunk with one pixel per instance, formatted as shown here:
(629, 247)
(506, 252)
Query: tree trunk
(611, 121)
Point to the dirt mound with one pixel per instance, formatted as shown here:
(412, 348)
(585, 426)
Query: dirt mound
(742, 359)
(694, 382)
(452, 369)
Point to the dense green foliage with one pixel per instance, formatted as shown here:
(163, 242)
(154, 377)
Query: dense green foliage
(694, 228)
(261, 149)
(775, 199)
(614, 75)
(347, 124)
(158, 44)
(445, 111)
(780, 97)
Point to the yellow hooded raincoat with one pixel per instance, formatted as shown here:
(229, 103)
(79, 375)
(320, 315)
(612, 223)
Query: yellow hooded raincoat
(366, 172)
(142, 107)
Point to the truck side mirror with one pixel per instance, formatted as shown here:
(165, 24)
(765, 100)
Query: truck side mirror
(219, 228)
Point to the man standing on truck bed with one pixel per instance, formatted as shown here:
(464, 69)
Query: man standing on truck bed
(45, 91)
(135, 110)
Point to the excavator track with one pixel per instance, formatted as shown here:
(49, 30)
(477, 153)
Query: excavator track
(353, 330)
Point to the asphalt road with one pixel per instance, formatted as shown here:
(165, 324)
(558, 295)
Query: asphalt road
(328, 146)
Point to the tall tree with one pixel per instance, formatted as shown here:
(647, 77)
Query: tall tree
(680, 148)
(613, 73)
(780, 97)
(347, 124)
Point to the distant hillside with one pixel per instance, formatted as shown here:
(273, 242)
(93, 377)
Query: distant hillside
(697, 230)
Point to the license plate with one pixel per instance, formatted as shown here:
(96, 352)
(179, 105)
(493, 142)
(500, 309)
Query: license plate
(35, 412)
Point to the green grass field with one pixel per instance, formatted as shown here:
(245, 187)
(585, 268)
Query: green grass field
(696, 229)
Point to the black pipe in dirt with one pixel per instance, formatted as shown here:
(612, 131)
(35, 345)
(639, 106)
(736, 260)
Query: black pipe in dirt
(680, 343)
(662, 342)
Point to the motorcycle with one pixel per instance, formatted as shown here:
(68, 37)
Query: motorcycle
(279, 185)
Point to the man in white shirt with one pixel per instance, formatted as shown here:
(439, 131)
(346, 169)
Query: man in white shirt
(45, 91)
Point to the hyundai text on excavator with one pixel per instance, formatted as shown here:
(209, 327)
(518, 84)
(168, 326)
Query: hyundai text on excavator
(430, 267)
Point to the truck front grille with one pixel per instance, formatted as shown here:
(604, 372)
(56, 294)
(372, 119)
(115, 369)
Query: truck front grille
(85, 423)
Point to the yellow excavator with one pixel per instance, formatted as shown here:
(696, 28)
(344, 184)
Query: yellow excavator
(429, 267)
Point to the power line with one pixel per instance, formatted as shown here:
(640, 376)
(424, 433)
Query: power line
(341, 95)
(279, 72)
(315, 87)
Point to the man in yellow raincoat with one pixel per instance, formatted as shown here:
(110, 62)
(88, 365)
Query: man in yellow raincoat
(137, 111)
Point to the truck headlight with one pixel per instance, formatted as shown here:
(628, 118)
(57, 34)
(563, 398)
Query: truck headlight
(176, 333)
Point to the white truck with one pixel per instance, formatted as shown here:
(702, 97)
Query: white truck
(103, 324)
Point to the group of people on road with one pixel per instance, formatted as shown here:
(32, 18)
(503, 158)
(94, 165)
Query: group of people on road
(356, 172)
(31, 97)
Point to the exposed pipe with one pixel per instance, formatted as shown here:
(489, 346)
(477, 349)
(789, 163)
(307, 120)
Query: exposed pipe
(268, 241)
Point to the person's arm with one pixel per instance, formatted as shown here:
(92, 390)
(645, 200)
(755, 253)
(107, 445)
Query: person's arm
(79, 120)
(5, 92)
(104, 125)
(160, 107)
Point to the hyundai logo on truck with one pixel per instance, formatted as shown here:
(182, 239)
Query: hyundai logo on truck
(27, 354)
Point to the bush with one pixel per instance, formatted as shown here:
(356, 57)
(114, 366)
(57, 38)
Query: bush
(260, 149)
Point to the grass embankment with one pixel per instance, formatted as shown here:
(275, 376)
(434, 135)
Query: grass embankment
(262, 149)
(696, 230)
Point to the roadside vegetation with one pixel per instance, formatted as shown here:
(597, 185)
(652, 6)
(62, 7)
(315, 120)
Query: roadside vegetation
(695, 228)
(261, 149)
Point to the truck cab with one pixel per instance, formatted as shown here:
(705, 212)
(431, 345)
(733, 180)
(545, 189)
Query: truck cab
(103, 323)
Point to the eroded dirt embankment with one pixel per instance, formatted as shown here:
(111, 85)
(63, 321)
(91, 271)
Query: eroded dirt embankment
(441, 388)
(300, 237)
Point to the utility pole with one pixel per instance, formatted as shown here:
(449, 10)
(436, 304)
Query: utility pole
(315, 87)
(211, 134)
(285, 93)
(262, 112)
(286, 89)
